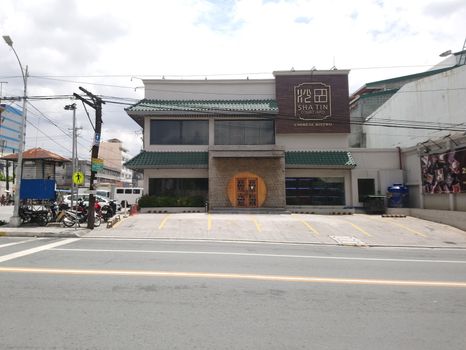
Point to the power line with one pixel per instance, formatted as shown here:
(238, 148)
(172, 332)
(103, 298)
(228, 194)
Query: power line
(49, 120)
(138, 76)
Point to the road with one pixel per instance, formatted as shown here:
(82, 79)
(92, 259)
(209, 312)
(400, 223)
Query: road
(153, 294)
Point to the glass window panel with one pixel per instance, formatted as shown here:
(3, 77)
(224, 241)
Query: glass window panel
(315, 191)
(165, 132)
(179, 132)
(179, 187)
(244, 132)
(195, 132)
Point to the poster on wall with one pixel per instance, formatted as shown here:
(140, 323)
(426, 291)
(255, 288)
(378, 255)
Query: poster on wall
(444, 172)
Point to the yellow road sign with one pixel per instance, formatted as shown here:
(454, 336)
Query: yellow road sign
(78, 178)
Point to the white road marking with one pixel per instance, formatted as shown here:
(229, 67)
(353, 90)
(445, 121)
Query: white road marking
(236, 276)
(258, 255)
(15, 243)
(37, 249)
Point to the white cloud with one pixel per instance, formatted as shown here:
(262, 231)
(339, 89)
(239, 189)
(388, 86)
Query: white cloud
(115, 40)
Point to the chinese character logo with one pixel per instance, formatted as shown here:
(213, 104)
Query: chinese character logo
(312, 101)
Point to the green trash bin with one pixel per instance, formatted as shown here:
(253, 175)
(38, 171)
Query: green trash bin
(375, 204)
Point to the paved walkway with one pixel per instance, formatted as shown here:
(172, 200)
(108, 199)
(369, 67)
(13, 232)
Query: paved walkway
(358, 229)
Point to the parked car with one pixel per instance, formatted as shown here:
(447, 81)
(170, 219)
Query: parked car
(85, 198)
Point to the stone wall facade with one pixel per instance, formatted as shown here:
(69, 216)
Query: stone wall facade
(223, 169)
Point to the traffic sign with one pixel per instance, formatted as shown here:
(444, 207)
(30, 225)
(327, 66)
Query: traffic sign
(78, 178)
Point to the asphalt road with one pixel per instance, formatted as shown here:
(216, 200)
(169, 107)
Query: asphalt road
(153, 294)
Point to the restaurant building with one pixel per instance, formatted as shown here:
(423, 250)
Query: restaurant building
(258, 143)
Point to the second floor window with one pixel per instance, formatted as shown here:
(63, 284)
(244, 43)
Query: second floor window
(179, 132)
(244, 132)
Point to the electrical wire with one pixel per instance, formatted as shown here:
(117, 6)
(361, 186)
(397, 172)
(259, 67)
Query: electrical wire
(335, 120)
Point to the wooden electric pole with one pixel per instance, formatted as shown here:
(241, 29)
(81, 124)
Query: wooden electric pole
(96, 103)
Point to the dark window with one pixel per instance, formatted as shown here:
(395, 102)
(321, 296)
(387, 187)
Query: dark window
(315, 191)
(128, 191)
(137, 191)
(179, 132)
(244, 132)
(119, 190)
(179, 187)
(366, 187)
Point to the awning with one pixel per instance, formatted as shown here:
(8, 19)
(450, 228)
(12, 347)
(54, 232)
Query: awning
(152, 160)
(319, 159)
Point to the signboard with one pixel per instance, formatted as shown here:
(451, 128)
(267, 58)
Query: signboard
(444, 172)
(96, 139)
(97, 164)
(78, 178)
(312, 101)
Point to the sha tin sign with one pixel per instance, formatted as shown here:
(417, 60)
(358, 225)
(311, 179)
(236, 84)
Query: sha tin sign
(312, 101)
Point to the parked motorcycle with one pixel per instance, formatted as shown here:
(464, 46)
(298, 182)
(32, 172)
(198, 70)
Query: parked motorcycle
(106, 212)
(79, 216)
(30, 214)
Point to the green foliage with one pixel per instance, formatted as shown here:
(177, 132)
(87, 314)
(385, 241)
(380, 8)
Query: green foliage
(3, 177)
(147, 201)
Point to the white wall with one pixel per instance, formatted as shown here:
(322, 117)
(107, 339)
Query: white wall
(166, 89)
(382, 165)
(438, 98)
(304, 142)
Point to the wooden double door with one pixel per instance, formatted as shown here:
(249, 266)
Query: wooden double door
(246, 192)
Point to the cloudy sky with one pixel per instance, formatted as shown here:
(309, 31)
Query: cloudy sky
(107, 46)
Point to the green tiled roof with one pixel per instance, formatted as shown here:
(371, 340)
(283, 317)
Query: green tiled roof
(147, 160)
(410, 77)
(320, 158)
(326, 159)
(207, 106)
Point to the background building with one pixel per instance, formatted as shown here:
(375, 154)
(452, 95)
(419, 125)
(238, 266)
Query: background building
(115, 156)
(424, 115)
(10, 123)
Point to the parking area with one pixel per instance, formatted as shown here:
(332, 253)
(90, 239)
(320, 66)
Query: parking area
(358, 229)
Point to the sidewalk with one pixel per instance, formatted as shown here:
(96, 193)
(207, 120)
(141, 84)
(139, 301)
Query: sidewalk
(354, 230)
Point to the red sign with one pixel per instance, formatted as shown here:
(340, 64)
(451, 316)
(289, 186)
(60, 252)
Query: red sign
(444, 172)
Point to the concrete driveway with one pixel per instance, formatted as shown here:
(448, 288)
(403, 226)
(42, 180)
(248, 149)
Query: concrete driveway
(358, 229)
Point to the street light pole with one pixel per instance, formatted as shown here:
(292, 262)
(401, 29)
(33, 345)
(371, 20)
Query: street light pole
(15, 220)
(73, 152)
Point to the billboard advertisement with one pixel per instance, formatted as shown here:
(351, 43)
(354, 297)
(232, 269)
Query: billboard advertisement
(444, 172)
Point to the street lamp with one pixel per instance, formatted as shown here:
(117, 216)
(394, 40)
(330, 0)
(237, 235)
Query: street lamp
(15, 220)
(72, 107)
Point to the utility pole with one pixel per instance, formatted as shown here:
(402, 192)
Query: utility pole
(95, 103)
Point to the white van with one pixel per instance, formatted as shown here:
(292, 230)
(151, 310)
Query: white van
(127, 195)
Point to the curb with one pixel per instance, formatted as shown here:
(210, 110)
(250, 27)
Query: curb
(40, 234)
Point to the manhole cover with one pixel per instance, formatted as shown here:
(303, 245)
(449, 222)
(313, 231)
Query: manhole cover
(348, 240)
